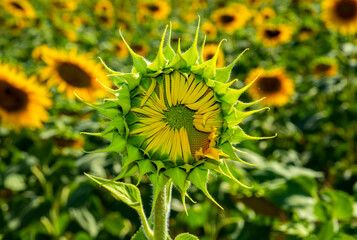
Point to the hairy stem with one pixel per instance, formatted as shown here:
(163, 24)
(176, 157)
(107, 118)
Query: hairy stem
(160, 216)
(147, 229)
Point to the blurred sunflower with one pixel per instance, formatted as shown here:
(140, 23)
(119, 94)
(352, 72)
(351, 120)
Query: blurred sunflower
(65, 4)
(231, 18)
(19, 8)
(340, 15)
(305, 33)
(74, 72)
(210, 50)
(253, 3)
(273, 35)
(324, 66)
(40, 51)
(273, 84)
(104, 12)
(141, 48)
(23, 101)
(264, 15)
(209, 29)
(158, 10)
(120, 49)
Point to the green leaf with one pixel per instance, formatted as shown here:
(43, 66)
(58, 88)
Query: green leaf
(117, 145)
(139, 62)
(199, 178)
(128, 193)
(186, 236)
(86, 220)
(223, 74)
(145, 166)
(128, 171)
(322, 211)
(191, 55)
(139, 235)
(158, 181)
(328, 230)
(341, 203)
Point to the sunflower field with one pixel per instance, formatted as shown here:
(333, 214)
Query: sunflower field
(178, 119)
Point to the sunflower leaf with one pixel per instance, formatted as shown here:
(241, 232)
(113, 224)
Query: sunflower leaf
(145, 166)
(127, 171)
(186, 236)
(128, 193)
(199, 178)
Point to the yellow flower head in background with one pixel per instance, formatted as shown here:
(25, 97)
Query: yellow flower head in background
(23, 102)
(209, 30)
(120, 49)
(340, 15)
(324, 67)
(273, 35)
(210, 50)
(275, 85)
(158, 10)
(71, 72)
(19, 8)
(264, 15)
(175, 117)
(231, 18)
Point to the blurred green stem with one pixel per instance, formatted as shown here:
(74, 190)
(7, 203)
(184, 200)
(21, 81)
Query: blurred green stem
(145, 223)
(160, 215)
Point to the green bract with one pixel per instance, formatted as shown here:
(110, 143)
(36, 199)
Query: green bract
(162, 109)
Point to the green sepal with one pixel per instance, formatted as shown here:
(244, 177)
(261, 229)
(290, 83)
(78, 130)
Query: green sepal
(127, 171)
(132, 154)
(131, 79)
(158, 181)
(178, 62)
(199, 178)
(214, 166)
(169, 53)
(108, 109)
(178, 178)
(160, 60)
(119, 124)
(200, 59)
(107, 133)
(139, 62)
(228, 149)
(117, 145)
(128, 193)
(139, 235)
(221, 88)
(232, 95)
(208, 68)
(136, 140)
(159, 165)
(228, 173)
(237, 117)
(240, 106)
(239, 136)
(123, 98)
(224, 74)
(186, 236)
(106, 67)
(145, 166)
(191, 55)
(131, 118)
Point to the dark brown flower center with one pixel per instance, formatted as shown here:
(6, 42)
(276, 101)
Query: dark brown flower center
(73, 75)
(272, 33)
(322, 67)
(152, 7)
(225, 19)
(269, 84)
(137, 48)
(209, 56)
(103, 19)
(346, 9)
(16, 5)
(306, 30)
(12, 99)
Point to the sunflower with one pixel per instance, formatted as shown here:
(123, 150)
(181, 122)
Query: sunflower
(175, 118)
(324, 66)
(39, 52)
(340, 15)
(65, 4)
(231, 18)
(210, 50)
(305, 33)
(23, 101)
(274, 35)
(264, 15)
(19, 8)
(104, 7)
(140, 48)
(74, 72)
(120, 49)
(273, 84)
(158, 10)
(209, 29)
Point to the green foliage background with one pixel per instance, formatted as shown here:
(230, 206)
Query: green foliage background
(305, 183)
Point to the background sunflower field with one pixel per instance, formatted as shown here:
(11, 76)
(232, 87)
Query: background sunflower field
(305, 179)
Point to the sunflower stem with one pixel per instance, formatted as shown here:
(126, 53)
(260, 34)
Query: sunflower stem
(160, 216)
(147, 230)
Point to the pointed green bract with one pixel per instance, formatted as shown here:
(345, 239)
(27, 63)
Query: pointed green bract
(160, 60)
(159, 182)
(191, 55)
(169, 53)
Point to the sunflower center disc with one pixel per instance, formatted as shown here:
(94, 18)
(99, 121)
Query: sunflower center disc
(322, 67)
(227, 19)
(346, 9)
(12, 99)
(269, 84)
(179, 116)
(16, 5)
(73, 75)
(153, 7)
(272, 33)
